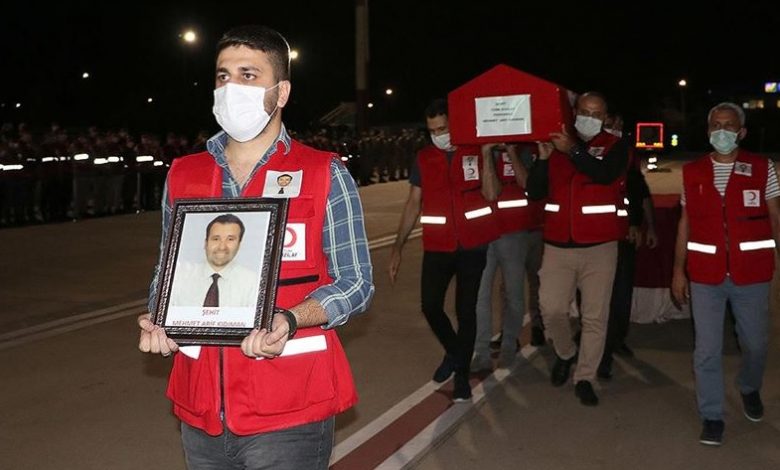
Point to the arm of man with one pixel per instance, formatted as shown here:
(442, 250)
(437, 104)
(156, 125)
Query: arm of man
(680, 291)
(601, 171)
(635, 194)
(408, 219)
(345, 245)
(773, 205)
(649, 213)
(152, 337)
(538, 183)
(491, 186)
(521, 172)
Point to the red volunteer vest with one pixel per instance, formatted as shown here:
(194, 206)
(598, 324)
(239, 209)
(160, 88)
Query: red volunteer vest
(454, 213)
(266, 395)
(514, 211)
(580, 210)
(730, 235)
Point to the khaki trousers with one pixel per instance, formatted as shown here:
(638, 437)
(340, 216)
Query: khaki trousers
(592, 271)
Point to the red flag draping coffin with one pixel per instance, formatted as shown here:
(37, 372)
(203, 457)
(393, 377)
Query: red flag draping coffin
(507, 105)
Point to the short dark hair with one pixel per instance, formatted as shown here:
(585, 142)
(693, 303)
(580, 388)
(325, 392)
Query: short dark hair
(283, 175)
(261, 38)
(226, 219)
(437, 107)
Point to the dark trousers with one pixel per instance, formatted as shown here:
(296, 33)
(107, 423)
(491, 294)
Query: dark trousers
(620, 304)
(437, 272)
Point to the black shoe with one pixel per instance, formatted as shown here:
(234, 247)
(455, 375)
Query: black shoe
(604, 371)
(560, 371)
(624, 351)
(461, 391)
(712, 432)
(752, 406)
(537, 336)
(445, 369)
(584, 391)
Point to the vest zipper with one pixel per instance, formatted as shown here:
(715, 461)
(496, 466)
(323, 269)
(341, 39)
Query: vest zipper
(726, 234)
(221, 385)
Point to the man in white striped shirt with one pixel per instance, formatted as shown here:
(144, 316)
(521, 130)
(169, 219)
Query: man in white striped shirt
(726, 243)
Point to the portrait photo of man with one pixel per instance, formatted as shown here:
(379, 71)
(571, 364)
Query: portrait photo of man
(218, 279)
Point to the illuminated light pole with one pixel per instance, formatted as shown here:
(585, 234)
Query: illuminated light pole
(85, 75)
(682, 84)
(294, 54)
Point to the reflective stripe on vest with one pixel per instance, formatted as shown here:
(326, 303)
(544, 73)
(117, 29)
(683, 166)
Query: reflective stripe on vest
(622, 213)
(431, 219)
(605, 209)
(626, 202)
(478, 213)
(702, 248)
(756, 245)
(512, 203)
(552, 207)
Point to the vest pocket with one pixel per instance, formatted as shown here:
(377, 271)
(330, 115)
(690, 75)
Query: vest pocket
(289, 384)
(189, 387)
(297, 251)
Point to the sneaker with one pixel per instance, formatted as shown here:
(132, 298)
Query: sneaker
(752, 406)
(712, 432)
(507, 358)
(445, 369)
(537, 336)
(624, 351)
(584, 391)
(560, 371)
(461, 392)
(481, 363)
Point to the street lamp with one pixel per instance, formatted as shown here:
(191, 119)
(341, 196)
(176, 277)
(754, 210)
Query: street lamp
(682, 84)
(85, 75)
(389, 91)
(189, 36)
(293, 54)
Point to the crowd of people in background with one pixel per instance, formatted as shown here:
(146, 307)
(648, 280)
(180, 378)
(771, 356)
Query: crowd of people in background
(59, 174)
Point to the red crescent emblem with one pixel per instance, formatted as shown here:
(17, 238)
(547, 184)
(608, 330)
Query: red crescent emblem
(293, 237)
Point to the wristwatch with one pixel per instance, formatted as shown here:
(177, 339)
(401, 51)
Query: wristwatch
(291, 320)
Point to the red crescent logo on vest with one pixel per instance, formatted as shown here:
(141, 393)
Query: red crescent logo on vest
(291, 236)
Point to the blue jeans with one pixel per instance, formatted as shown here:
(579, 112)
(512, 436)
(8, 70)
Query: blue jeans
(750, 305)
(307, 446)
(507, 253)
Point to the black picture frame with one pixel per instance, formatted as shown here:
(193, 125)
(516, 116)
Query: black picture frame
(180, 309)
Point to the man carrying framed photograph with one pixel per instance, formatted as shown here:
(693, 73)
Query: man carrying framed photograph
(277, 412)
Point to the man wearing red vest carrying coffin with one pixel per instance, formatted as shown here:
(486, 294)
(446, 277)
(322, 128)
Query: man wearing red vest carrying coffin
(727, 239)
(453, 186)
(584, 217)
(519, 221)
(267, 404)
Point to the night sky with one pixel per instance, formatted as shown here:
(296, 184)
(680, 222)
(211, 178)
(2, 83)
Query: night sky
(132, 51)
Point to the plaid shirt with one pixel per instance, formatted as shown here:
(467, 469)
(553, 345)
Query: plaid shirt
(344, 240)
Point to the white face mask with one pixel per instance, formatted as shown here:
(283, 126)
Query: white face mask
(587, 126)
(724, 142)
(442, 141)
(240, 111)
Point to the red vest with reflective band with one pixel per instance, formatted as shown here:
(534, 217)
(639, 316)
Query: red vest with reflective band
(453, 210)
(266, 395)
(730, 235)
(580, 210)
(514, 211)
